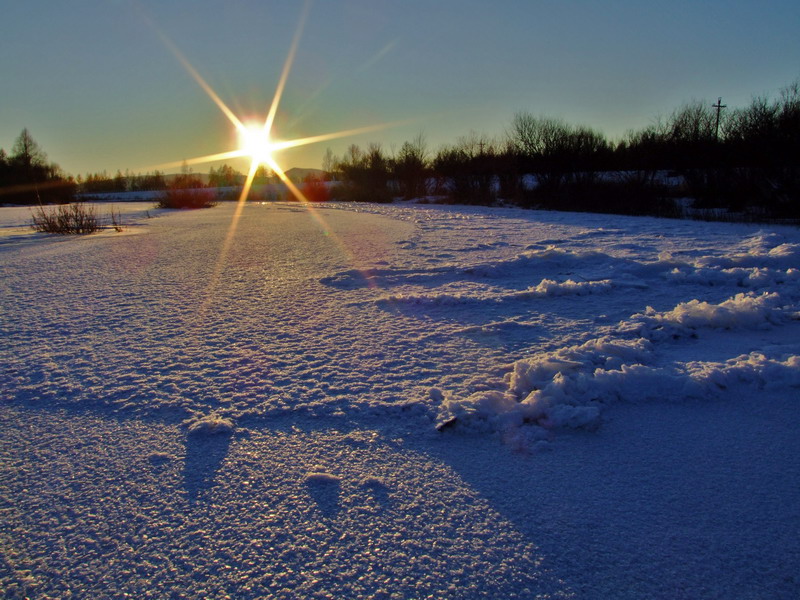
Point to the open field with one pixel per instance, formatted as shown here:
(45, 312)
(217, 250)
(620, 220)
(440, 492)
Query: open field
(360, 401)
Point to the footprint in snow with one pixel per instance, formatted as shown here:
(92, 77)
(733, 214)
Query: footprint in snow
(378, 490)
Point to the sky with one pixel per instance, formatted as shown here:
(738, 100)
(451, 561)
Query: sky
(99, 86)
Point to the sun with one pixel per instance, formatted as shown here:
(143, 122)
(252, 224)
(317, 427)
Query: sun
(255, 142)
(254, 139)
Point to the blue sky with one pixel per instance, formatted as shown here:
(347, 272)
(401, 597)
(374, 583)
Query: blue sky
(99, 90)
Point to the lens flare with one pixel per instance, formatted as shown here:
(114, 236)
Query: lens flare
(256, 143)
(255, 140)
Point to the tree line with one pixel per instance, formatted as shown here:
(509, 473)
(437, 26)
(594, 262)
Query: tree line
(27, 177)
(217, 177)
(743, 160)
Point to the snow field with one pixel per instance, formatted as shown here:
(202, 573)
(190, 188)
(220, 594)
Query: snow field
(261, 421)
(272, 514)
(569, 387)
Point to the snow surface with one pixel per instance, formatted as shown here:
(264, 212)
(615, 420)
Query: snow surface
(357, 401)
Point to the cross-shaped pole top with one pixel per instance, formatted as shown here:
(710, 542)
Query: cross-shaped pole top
(719, 106)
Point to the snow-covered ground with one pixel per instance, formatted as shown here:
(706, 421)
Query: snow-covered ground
(354, 401)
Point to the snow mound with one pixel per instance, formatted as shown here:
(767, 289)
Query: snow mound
(752, 277)
(752, 370)
(373, 482)
(212, 424)
(568, 388)
(559, 389)
(760, 253)
(742, 311)
(320, 477)
(548, 287)
(767, 261)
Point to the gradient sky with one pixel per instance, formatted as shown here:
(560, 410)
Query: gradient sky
(99, 90)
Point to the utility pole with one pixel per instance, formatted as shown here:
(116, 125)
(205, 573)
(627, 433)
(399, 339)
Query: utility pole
(719, 106)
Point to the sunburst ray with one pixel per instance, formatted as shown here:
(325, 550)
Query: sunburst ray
(258, 144)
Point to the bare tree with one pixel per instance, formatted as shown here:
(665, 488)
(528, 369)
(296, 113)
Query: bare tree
(328, 162)
(27, 153)
(410, 168)
(468, 168)
(365, 175)
(694, 122)
(537, 136)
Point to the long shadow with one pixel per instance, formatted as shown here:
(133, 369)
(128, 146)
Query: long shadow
(204, 455)
(326, 491)
(611, 506)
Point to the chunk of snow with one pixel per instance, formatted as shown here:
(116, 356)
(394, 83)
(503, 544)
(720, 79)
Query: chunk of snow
(321, 477)
(211, 424)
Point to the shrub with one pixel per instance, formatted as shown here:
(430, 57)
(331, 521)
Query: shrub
(185, 190)
(66, 219)
(231, 195)
(116, 219)
(186, 198)
(624, 195)
(350, 192)
(315, 190)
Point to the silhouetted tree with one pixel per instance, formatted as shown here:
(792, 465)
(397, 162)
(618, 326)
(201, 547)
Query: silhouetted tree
(364, 175)
(636, 187)
(27, 178)
(762, 144)
(27, 153)
(314, 188)
(263, 176)
(328, 164)
(559, 155)
(155, 181)
(410, 168)
(510, 174)
(4, 166)
(469, 169)
(224, 176)
(120, 182)
(185, 180)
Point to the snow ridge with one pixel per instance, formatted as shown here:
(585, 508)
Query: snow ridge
(569, 387)
(545, 288)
